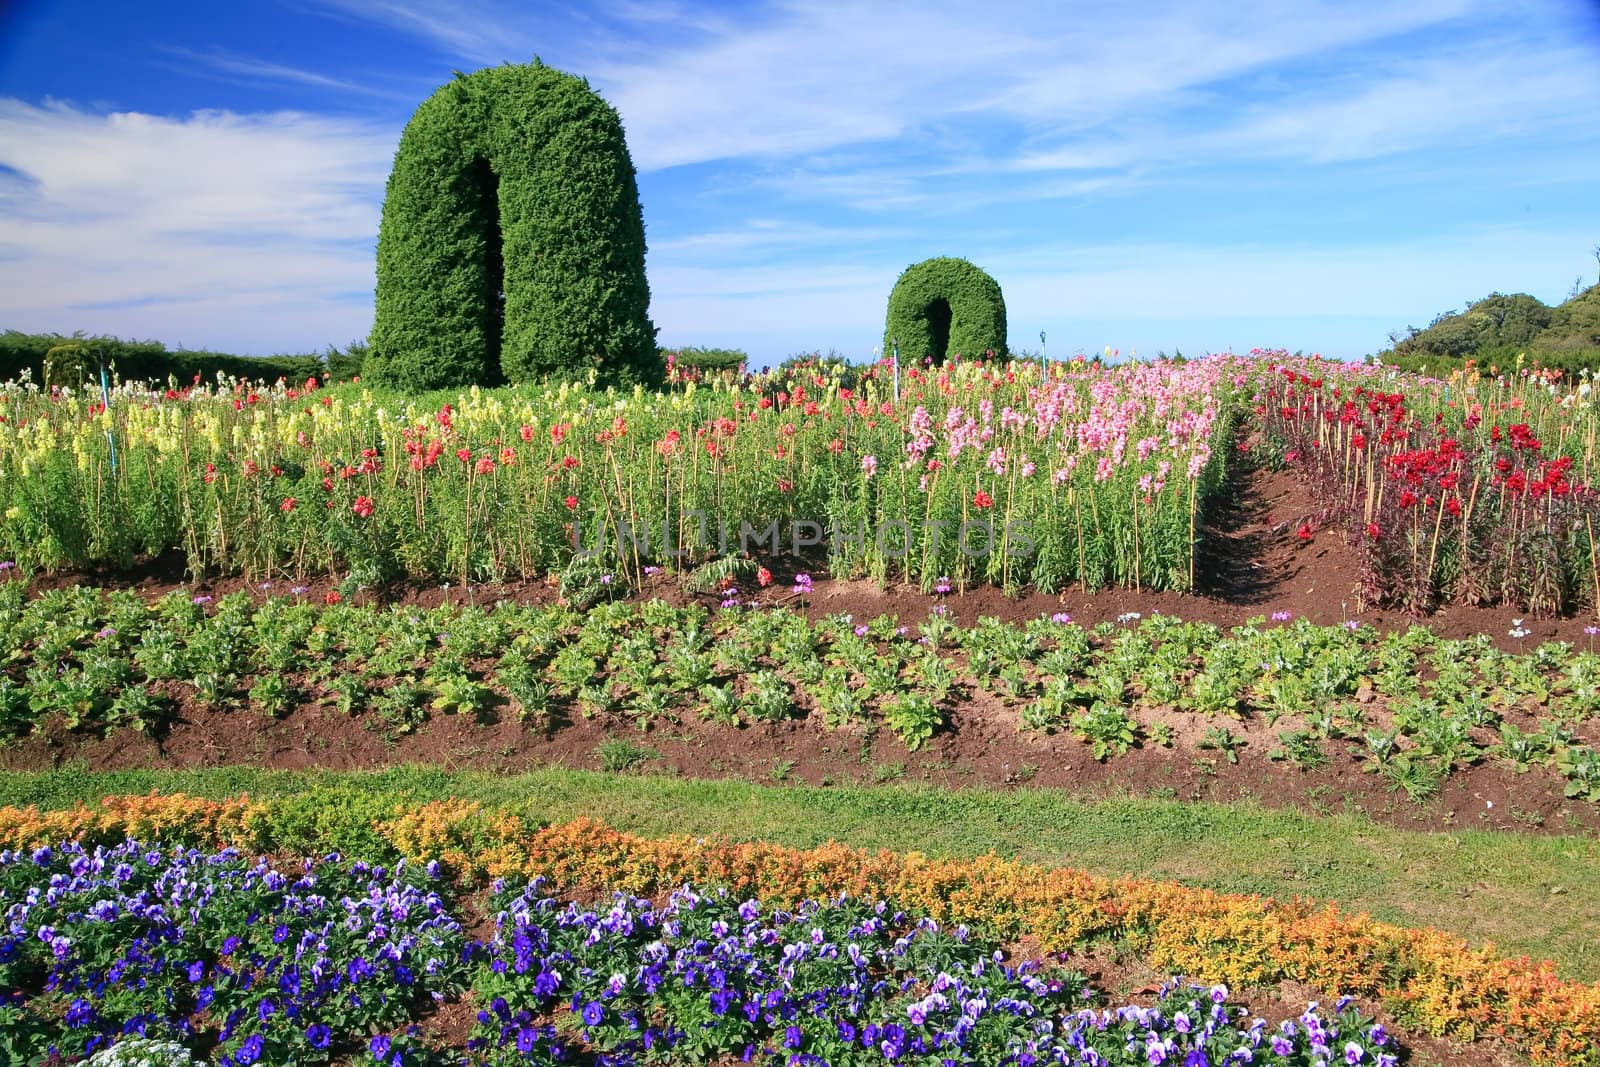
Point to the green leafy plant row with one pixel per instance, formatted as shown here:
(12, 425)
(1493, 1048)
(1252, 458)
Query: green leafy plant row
(1411, 706)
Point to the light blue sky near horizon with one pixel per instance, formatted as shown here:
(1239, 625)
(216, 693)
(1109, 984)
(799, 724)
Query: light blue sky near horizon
(1175, 176)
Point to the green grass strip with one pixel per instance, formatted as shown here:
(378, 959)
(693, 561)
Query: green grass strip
(1534, 895)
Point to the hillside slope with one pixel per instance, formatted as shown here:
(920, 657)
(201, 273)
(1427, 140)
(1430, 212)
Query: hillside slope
(1499, 327)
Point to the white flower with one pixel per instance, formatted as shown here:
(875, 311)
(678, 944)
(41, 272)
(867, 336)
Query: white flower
(142, 1052)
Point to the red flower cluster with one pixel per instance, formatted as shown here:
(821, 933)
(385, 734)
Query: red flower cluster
(1522, 438)
(1552, 480)
(1420, 465)
(423, 458)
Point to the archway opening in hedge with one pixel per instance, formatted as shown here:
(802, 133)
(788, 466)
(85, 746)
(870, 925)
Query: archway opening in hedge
(485, 206)
(938, 315)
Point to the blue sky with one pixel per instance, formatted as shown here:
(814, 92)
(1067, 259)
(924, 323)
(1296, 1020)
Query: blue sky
(1193, 176)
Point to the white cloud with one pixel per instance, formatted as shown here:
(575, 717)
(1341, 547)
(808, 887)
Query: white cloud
(942, 193)
(767, 236)
(781, 80)
(816, 76)
(211, 220)
(1464, 100)
(471, 31)
(813, 77)
(939, 87)
(248, 70)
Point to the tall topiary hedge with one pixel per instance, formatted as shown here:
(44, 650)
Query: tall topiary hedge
(512, 245)
(945, 306)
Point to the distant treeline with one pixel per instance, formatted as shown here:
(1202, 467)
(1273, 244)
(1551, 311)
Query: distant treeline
(59, 359)
(1495, 331)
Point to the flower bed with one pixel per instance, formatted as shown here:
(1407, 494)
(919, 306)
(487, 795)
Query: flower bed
(1428, 979)
(247, 964)
(1478, 489)
(251, 964)
(1096, 475)
(710, 978)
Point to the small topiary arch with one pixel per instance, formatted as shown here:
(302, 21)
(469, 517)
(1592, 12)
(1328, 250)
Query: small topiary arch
(512, 244)
(943, 306)
(68, 364)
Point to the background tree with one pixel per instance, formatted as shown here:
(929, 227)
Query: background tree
(1498, 329)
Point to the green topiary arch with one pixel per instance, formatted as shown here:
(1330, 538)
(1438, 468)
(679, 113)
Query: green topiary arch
(512, 245)
(945, 306)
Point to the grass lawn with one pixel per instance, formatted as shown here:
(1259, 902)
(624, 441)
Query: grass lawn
(1534, 895)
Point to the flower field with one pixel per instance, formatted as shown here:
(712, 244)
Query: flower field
(1475, 490)
(1264, 576)
(973, 473)
(1478, 489)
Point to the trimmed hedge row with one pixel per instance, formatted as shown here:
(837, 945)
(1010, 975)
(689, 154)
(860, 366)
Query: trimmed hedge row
(1427, 978)
(151, 360)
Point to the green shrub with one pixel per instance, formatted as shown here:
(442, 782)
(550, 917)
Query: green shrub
(332, 819)
(69, 364)
(943, 307)
(512, 244)
(1570, 364)
(342, 366)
